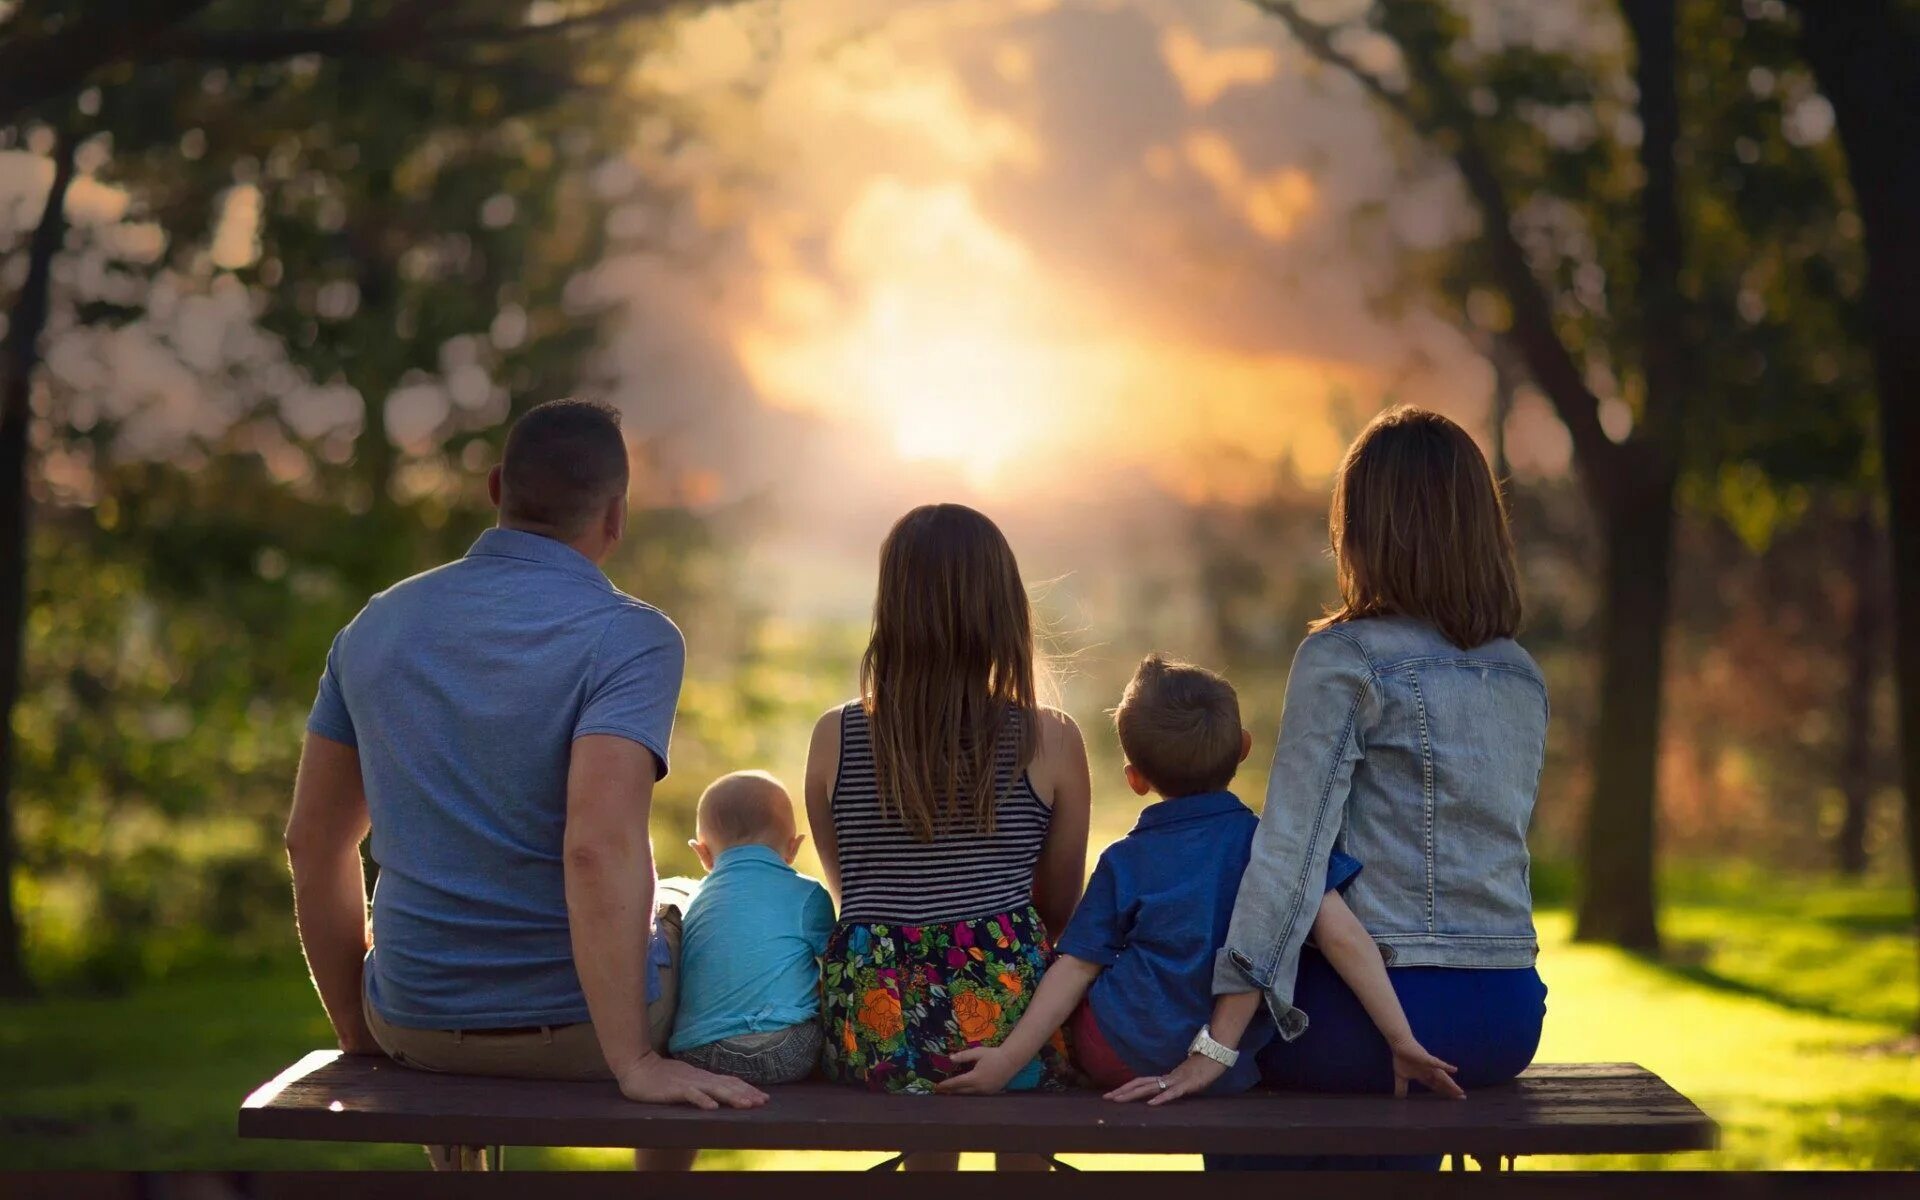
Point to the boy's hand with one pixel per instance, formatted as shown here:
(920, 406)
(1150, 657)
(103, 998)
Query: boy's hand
(1191, 1077)
(1411, 1062)
(990, 1073)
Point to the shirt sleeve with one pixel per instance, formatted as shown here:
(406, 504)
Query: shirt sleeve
(1097, 933)
(635, 681)
(330, 718)
(1330, 702)
(1341, 871)
(816, 919)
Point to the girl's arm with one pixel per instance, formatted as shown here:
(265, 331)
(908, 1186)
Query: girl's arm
(1351, 949)
(1063, 779)
(1060, 992)
(823, 766)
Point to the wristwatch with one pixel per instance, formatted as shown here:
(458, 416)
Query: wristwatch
(1204, 1044)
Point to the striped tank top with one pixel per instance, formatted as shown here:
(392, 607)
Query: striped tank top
(889, 877)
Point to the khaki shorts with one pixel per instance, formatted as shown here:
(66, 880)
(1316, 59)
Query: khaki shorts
(538, 1052)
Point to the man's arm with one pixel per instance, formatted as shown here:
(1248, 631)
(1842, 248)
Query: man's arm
(324, 831)
(609, 882)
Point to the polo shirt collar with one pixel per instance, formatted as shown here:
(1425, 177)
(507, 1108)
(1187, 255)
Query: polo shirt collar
(1196, 807)
(533, 547)
(751, 852)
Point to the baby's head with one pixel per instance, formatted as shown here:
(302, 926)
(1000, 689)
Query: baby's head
(1180, 729)
(746, 808)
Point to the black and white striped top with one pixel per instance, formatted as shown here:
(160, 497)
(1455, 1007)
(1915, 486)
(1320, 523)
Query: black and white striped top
(888, 877)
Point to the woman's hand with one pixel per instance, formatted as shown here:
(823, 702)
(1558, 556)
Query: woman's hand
(1412, 1063)
(992, 1068)
(1197, 1074)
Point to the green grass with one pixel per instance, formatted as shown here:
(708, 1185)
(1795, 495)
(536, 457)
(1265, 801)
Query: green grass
(1778, 1007)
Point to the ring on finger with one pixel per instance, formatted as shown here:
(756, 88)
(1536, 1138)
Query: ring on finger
(1160, 1081)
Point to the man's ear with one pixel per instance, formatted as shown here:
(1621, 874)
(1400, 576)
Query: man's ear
(1246, 745)
(701, 852)
(493, 487)
(614, 520)
(1137, 781)
(793, 847)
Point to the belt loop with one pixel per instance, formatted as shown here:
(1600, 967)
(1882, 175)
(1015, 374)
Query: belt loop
(546, 1031)
(459, 1036)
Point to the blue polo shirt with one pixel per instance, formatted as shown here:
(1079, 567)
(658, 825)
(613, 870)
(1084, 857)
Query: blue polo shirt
(464, 689)
(750, 949)
(1155, 915)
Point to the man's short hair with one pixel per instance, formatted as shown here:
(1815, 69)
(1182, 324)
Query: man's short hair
(1180, 726)
(563, 461)
(745, 808)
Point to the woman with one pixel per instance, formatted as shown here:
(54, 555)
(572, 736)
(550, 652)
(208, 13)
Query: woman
(1413, 737)
(950, 811)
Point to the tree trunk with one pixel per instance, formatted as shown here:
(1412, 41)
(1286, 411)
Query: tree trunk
(1617, 898)
(25, 324)
(1856, 706)
(1862, 53)
(1617, 902)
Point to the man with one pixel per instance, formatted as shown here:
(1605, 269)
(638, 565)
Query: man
(499, 724)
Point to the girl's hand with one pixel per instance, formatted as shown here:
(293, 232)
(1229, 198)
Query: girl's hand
(990, 1073)
(1411, 1062)
(1197, 1074)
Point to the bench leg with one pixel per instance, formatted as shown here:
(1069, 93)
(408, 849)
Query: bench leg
(467, 1158)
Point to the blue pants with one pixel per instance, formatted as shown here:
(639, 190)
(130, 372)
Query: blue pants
(1485, 1022)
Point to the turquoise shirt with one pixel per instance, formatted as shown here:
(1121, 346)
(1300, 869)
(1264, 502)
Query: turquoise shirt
(750, 949)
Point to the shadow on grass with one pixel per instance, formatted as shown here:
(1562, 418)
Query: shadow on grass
(1878, 1132)
(1682, 962)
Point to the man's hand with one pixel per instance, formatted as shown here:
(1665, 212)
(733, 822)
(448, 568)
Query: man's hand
(1191, 1077)
(992, 1068)
(657, 1080)
(1411, 1062)
(358, 1039)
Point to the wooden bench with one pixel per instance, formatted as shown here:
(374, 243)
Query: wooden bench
(1569, 1108)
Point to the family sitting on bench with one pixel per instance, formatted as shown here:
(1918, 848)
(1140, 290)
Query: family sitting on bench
(498, 725)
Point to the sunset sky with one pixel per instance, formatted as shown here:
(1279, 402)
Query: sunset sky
(1042, 255)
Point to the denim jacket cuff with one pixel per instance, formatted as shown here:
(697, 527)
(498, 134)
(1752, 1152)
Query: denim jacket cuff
(1234, 972)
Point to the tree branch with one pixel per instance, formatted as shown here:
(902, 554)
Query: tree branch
(1445, 123)
(34, 70)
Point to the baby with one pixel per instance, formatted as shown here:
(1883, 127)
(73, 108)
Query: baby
(750, 948)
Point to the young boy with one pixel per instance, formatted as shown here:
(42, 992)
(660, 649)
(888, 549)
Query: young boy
(753, 936)
(1135, 974)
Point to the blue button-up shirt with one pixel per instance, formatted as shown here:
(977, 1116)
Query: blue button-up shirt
(750, 949)
(463, 689)
(1155, 913)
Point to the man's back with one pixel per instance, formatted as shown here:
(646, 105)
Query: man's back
(463, 690)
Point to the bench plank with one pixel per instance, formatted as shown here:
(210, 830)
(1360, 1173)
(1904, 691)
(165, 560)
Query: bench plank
(1603, 1108)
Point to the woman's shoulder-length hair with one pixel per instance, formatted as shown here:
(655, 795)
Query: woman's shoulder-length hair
(1419, 529)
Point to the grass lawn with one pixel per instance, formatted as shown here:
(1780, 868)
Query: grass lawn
(1779, 1008)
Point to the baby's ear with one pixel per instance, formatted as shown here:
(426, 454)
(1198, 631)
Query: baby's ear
(793, 847)
(1246, 745)
(1137, 781)
(701, 852)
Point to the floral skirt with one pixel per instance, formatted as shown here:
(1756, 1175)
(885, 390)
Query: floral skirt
(899, 1000)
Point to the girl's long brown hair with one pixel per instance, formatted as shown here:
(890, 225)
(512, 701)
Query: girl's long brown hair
(949, 665)
(1419, 529)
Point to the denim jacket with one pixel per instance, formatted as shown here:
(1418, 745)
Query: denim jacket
(1421, 760)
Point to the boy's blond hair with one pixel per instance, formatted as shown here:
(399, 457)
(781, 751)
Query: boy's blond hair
(743, 808)
(1179, 726)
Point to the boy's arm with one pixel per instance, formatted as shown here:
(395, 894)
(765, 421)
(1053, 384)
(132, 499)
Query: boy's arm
(1351, 949)
(1061, 990)
(1345, 942)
